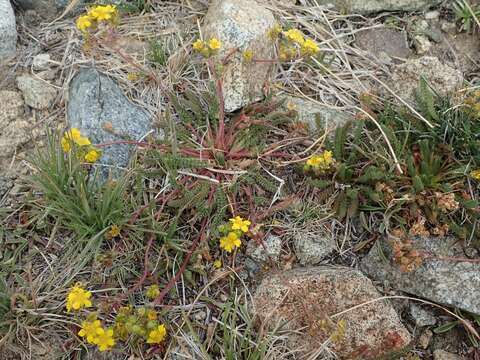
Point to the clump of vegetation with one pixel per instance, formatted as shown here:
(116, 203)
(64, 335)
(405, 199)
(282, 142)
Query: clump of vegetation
(433, 193)
(134, 6)
(466, 15)
(160, 238)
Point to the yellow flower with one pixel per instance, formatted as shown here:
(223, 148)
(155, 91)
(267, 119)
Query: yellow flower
(102, 12)
(84, 22)
(92, 156)
(157, 335)
(151, 314)
(66, 144)
(475, 174)
(114, 231)
(82, 141)
(89, 330)
(214, 44)
(152, 291)
(295, 35)
(310, 47)
(230, 242)
(73, 136)
(132, 76)
(217, 264)
(248, 55)
(78, 298)
(323, 161)
(315, 160)
(198, 45)
(104, 339)
(238, 223)
(328, 157)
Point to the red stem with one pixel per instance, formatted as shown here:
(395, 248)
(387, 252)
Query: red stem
(183, 267)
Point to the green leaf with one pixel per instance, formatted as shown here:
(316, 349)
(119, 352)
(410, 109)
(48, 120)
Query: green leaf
(446, 327)
(418, 184)
(470, 204)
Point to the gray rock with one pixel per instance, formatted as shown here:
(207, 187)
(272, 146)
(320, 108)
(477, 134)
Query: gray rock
(241, 24)
(49, 9)
(13, 126)
(448, 282)
(309, 298)
(8, 31)
(38, 94)
(405, 77)
(421, 316)
(98, 107)
(41, 62)
(269, 250)
(444, 355)
(422, 44)
(432, 15)
(383, 42)
(372, 6)
(313, 247)
(448, 27)
(317, 116)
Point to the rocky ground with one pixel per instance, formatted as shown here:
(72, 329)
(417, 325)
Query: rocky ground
(306, 283)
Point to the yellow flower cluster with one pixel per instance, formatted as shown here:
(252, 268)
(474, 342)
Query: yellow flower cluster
(96, 334)
(294, 35)
(293, 44)
(95, 15)
(152, 291)
(157, 335)
(114, 232)
(230, 242)
(91, 328)
(78, 298)
(85, 151)
(207, 48)
(233, 231)
(320, 164)
(142, 323)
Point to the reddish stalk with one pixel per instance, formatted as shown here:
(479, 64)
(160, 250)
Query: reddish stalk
(184, 151)
(183, 267)
(220, 135)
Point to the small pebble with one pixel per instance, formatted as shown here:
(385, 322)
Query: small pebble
(41, 62)
(425, 338)
(432, 15)
(448, 27)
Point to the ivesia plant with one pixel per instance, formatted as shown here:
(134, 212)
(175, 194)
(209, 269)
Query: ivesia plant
(73, 196)
(430, 197)
(142, 325)
(191, 197)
